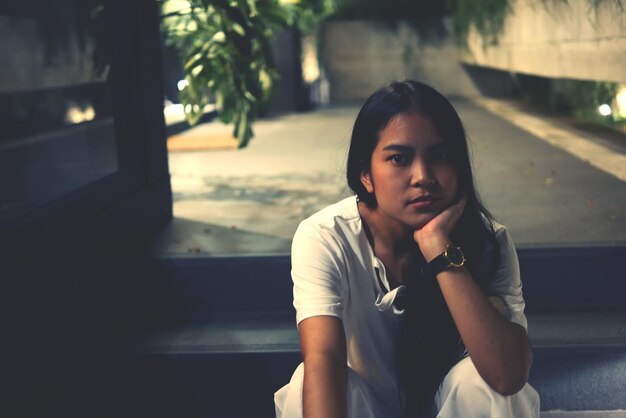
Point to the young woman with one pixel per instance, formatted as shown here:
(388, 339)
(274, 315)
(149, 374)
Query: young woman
(408, 295)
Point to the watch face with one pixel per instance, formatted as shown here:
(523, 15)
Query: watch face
(455, 256)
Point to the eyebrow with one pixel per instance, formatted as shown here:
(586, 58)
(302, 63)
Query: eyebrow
(397, 147)
(409, 149)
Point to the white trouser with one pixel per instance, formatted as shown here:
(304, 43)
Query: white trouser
(462, 394)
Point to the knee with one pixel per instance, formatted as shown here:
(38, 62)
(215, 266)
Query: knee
(361, 401)
(464, 390)
(288, 399)
(463, 380)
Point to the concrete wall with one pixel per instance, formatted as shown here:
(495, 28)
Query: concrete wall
(361, 56)
(25, 64)
(558, 39)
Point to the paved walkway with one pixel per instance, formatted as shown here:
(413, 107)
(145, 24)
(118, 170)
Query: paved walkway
(550, 183)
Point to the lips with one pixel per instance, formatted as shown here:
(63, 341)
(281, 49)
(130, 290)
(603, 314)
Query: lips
(423, 202)
(424, 198)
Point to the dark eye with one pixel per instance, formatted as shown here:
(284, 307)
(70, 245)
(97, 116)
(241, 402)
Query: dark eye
(398, 159)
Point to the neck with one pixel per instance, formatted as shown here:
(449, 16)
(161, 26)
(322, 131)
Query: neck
(386, 235)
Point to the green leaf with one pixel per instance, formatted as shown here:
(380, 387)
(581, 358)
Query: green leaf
(219, 37)
(238, 29)
(242, 130)
(191, 62)
(219, 101)
(249, 96)
(253, 10)
(197, 70)
(265, 79)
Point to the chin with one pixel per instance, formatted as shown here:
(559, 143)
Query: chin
(422, 220)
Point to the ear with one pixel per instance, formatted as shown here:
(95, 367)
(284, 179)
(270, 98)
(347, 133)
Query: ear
(366, 180)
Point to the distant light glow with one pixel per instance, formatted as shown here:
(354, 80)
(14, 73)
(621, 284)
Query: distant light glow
(79, 114)
(173, 110)
(182, 84)
(310, 64)
(604, 109)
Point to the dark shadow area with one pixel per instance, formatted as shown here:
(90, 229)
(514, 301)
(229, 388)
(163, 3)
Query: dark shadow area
(491, 82)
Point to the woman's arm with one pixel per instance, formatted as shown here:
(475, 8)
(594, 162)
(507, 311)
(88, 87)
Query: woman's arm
(499, 348)
(323, 346)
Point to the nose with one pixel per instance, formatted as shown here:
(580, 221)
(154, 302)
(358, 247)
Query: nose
(422, 175)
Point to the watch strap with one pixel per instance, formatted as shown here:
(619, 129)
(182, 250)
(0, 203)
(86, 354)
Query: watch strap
(444, 261)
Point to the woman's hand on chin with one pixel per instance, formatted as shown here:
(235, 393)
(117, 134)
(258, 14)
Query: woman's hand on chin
(433, 237)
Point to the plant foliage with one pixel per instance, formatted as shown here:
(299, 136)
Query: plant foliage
(584, 97)
(226, 50)
(486, 16)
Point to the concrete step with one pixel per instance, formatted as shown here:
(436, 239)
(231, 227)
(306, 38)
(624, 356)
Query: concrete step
(583, 414)
(234, 341)
(570, 279)
(234, 363)
(269, 333)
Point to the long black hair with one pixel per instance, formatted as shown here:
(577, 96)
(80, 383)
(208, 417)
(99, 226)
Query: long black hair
(429, 342)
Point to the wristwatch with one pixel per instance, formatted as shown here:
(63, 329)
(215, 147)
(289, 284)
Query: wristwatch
(451, 257)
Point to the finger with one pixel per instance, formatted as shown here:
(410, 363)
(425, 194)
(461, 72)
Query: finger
(462, 202)
(455, 209)
(450, 216)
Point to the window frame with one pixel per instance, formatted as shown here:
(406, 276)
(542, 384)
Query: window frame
(140, 189)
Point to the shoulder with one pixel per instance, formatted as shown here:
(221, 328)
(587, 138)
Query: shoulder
(508, 263)
(321, 249)
(343, 211)
(332, 223)
(499, 231)
(329, 236)
(504, 238)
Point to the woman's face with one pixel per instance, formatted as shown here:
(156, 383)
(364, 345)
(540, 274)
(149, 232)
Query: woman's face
(411, 174)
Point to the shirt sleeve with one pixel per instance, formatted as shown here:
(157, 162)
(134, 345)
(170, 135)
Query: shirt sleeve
(315, 271)
(505, 291)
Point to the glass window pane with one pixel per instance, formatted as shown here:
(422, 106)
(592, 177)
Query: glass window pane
(57, 132)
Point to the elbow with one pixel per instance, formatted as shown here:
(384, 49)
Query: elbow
(510, 386)
(513, 374)
(513, 379)
(508, 381)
